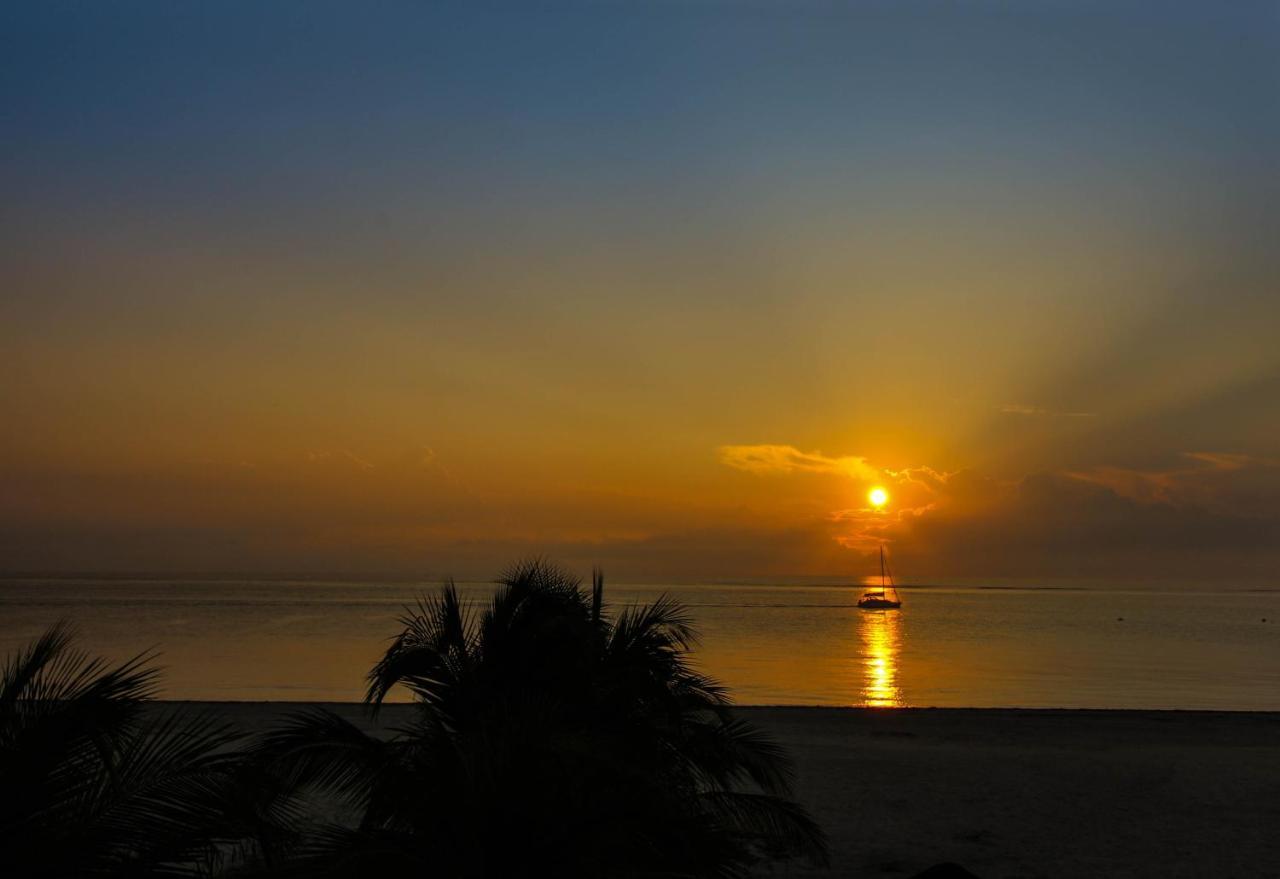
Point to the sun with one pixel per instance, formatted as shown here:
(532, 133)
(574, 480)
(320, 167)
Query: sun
(878, 497)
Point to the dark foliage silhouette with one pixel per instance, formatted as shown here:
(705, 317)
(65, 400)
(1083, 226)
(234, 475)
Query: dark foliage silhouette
(549, 737)
(96, 784)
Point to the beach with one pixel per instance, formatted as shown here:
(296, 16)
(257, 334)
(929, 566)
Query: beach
(1016, 793)
(1012, 792)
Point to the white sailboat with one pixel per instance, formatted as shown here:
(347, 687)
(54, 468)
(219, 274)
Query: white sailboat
(884, 598)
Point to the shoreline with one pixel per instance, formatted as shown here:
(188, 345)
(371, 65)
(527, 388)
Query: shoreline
(870, 709)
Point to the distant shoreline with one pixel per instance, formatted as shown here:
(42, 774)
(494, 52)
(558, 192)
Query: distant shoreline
(1002, 583)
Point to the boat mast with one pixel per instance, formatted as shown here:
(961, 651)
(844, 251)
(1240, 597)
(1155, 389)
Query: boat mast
(886, 573)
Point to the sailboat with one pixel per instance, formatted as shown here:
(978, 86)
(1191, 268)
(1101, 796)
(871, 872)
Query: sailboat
(884, 598)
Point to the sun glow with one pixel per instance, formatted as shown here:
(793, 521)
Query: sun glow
(878, 497)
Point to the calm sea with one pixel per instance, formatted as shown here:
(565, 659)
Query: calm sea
(807, 645)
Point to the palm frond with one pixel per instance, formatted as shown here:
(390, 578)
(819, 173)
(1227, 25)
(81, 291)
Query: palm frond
(597, 595)
(782, 827)
(727, 751)
(96, 784)
(318, 749)
(431, 648)
(664, 624)
(535, 586)
(338, 852)
(50, 674)
(163, 801)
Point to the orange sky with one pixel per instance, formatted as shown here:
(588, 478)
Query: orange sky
(672, 308)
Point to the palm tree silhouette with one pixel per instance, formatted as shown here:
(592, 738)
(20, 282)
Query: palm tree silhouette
(95, 784)
(549, 737)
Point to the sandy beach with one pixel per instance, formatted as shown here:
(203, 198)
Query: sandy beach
(1017, 793)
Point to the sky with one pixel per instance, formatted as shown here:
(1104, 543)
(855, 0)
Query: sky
(664, 287)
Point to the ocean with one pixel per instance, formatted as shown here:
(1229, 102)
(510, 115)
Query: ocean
(949, 646)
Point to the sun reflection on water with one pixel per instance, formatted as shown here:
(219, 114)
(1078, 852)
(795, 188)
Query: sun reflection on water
(881, 642)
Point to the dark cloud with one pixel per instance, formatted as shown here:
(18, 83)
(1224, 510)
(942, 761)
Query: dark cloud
(1051, 524)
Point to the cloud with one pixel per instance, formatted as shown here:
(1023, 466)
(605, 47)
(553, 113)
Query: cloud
(1228, 460)
(780, 460)
(914, 491)
(338, 458)
(1204, 513)
(961, 525)
(1210, 513)
(409, 463)
(1059, 524)
(715, 553)
(864, 528)
(1211, 479)
(1038, 412)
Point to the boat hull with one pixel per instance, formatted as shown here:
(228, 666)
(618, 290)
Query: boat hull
(879, 604)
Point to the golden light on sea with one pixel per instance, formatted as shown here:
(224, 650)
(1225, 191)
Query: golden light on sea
(878, 497)
(881, 642)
